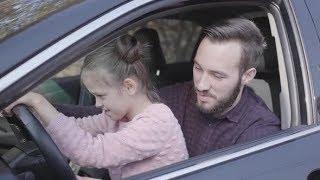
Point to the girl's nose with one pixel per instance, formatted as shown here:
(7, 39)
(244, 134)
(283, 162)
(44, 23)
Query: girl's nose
(98, 103)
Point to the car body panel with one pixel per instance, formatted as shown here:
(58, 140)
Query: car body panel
(279, 157)
(270, 163)
(313, 6)
(310, 43)
(293, 11)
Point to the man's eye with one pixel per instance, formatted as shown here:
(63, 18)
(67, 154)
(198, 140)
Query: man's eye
(218, 76)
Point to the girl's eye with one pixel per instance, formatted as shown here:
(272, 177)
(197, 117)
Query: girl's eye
(197, 67)
(99, 96)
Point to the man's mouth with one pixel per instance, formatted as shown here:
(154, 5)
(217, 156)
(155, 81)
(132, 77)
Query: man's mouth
(204, 96)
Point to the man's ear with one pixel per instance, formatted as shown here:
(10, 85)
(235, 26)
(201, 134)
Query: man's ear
(248, 76)
(130, 86)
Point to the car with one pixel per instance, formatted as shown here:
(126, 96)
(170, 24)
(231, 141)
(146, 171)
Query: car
(43, 52)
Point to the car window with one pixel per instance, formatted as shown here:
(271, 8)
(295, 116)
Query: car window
(72, 70)
(63, 87)
(18, 14)
(178, 38)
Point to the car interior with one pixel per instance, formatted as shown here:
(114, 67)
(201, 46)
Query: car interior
(168, 69)
(173, 49)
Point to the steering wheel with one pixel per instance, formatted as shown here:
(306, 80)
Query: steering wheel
(54, 158)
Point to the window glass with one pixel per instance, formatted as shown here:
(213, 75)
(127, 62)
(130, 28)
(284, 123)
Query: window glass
(177, 38)
(63, 87)
(72, 70)
(16, 15)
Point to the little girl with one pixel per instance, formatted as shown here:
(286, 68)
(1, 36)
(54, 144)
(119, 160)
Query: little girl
(134, 133)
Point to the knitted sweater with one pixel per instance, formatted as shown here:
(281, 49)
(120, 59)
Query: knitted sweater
(152, 139)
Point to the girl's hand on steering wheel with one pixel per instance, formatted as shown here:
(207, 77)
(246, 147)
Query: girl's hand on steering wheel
(27, 99)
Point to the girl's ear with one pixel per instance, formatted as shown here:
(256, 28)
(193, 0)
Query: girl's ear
(248, 75)
(130, 86)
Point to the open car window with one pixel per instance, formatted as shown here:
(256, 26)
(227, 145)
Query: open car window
(179, 39)
(64, 87)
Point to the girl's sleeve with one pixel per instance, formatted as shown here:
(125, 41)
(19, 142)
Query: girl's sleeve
(142, 138)
(96, 124)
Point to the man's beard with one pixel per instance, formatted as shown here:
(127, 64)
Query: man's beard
(222, 104)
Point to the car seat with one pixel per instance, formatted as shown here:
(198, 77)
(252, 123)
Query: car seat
(151, 38)
(267, 81)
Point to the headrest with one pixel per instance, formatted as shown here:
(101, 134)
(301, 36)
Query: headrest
(147, 35)
(268, 63)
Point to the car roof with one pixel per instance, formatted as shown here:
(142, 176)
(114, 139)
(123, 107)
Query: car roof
(20, 46)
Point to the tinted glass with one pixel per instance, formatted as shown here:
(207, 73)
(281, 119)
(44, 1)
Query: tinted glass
(16, 15)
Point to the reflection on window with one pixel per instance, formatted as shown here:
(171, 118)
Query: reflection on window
(72, 70)
(16, 15)
(63, 87)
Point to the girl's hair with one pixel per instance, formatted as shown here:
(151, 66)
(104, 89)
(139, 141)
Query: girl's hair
(124, 57)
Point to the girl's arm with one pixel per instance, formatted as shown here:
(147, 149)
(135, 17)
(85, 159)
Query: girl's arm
(142, 138)
(39, 104)
(47, 112)
(96, 124)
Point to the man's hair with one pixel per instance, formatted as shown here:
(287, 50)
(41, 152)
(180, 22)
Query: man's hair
(242, 30)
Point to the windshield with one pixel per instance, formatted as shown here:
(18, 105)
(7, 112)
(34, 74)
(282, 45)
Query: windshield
(16, 15)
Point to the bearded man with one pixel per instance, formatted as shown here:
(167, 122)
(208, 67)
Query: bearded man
(218, 109)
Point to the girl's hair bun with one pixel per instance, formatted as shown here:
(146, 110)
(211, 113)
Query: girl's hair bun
(129, 49)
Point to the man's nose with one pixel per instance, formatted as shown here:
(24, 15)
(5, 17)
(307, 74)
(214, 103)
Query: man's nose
(203, 83)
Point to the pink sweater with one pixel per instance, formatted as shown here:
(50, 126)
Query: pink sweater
(152, 139)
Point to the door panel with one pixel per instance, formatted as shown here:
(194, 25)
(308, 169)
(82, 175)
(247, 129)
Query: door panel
(293, 155)
(294, 161)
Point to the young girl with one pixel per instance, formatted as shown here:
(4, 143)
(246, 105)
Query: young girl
(135, 133)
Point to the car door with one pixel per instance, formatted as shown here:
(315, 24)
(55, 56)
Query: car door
(290, 154)
(314, 62)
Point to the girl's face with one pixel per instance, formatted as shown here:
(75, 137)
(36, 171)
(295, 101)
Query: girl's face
(108, 93)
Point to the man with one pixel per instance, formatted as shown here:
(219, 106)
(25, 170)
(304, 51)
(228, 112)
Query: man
(217, 109)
